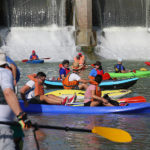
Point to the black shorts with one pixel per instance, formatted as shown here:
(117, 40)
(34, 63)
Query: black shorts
(35, 100)
(87, 104)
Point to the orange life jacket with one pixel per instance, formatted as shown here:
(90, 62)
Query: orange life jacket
(98, 89)
(39, 89)
(69, 84)
(80, 61)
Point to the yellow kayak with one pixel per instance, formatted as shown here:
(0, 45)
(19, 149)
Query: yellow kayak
(80, 94)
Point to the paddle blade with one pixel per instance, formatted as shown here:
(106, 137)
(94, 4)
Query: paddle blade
(113, 134)
(136, 99)
(25, 60)
(46, 58)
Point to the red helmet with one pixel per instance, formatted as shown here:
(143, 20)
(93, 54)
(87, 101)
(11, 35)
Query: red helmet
(33, 51)
(80, 54)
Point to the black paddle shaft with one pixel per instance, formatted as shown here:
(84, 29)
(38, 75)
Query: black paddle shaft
(49, 127)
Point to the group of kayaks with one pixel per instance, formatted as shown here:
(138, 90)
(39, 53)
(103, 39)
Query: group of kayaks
(120, 87)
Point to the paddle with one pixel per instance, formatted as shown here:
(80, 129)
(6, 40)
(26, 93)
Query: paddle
(25, 60)
(112, 134)
(136, 99)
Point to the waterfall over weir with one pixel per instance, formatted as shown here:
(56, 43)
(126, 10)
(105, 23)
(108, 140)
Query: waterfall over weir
(55, 42)
(128, 43)
(38, 25)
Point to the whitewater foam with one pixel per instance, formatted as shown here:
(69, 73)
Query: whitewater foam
(51, 41)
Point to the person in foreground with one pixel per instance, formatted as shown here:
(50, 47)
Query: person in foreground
(72, 80)
(34, 56)
(33, 91)
(9, 107)
(93, 94)
(64, 69)
(119, 68)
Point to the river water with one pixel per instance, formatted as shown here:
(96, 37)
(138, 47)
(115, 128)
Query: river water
(137, 125)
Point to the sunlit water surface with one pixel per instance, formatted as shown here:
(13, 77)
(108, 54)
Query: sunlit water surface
(137, 125)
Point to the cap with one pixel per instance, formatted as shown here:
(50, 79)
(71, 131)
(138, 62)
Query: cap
(119, 59)
(2, 58)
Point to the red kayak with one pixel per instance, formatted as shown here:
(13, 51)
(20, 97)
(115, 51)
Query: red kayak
(147, 63)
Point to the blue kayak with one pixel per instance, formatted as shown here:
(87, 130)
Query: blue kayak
(139, 108)
(106, 84)
(39, 61)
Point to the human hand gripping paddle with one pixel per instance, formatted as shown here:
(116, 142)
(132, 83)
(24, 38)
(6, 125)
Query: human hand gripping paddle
(25, 60)
(112, 134)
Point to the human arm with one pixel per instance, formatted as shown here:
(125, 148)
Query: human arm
(32, 77)
(14, 72)
(103, 100)
(23, 91)
(62, 74)
(123, 70)
(12, 101)
(84, 81)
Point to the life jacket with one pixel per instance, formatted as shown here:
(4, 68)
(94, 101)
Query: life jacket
(80, 61)
(67, 70)
(10, 61)
(118, 68)
(34, 57)
(106, 76)
(99, 72)
(98, 89)
(39, 89)
(69, 84)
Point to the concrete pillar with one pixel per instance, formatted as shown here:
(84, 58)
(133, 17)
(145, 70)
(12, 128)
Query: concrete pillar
(148, 15)
(85, 36)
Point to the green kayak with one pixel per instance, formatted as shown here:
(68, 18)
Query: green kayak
(139, 74)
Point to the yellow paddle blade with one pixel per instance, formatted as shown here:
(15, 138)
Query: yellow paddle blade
(113, 134)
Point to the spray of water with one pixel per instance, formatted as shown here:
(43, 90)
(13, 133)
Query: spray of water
(130, 43)
(54, 42)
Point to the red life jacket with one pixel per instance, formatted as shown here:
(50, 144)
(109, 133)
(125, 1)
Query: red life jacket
(34, 57)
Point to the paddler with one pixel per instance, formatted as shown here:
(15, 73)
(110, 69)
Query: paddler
(93, 95)
(33, 92)
(64, 69)
(80, 59)
(72, 80)
(34, 56)
(119, 68)
(98, 70)
(9, 107)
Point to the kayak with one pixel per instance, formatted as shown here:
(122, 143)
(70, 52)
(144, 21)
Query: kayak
(39, 61)
(136, 99)
(131, 108)
(80, 94)
(147, 63)
(106, 84)
(138, 74)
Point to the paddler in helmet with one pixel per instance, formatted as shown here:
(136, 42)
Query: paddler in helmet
(34, 56)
